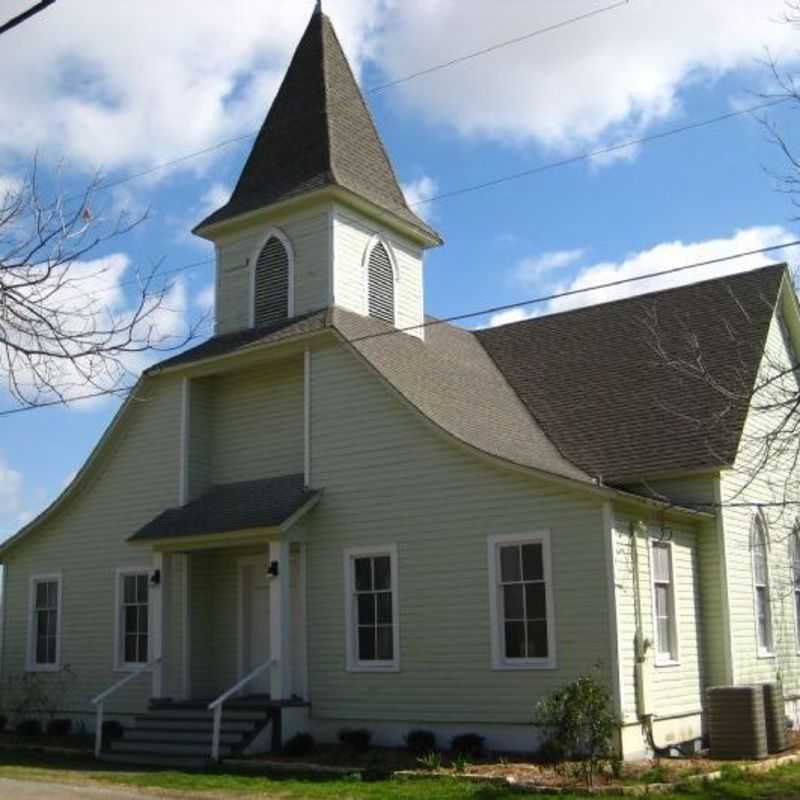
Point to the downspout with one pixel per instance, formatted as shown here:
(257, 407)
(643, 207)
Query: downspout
(643, 675)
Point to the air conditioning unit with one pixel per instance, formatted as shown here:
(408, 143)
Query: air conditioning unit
(737, 726)
(775, 718)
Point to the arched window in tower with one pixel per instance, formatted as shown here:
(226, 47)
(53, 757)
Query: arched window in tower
(271, 284)
(380, 274)
(763, 610)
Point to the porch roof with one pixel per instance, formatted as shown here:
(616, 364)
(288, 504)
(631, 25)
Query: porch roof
(232, 507)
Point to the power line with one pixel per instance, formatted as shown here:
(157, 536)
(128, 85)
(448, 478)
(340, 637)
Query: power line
(20, 18)
(370, 91)
(482, 312)
(581, 290)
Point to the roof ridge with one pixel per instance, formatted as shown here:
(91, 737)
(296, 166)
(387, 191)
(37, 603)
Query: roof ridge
(733, 275)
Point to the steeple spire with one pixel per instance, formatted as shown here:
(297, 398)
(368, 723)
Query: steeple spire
(319, 133)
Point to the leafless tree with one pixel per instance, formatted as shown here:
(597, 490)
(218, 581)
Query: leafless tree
(69, 326)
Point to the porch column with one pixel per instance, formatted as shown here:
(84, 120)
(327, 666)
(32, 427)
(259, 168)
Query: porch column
(280, 621)
(159, 619)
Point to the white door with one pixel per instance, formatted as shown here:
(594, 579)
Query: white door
(254, 628)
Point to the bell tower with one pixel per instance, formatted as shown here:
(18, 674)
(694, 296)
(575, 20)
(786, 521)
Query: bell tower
(317, 217)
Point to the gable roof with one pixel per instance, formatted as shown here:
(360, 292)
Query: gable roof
(597, 381)
(319, 132)
(231, 507)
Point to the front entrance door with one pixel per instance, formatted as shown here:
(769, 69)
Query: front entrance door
(254, 621)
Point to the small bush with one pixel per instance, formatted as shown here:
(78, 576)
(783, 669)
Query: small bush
(550, 752)
(431, 761)
(3, 722)
(301, 744)
(59, 727)
(112, 730)
(357, 739)
(421, 742)
(468, 745)
(29, 728)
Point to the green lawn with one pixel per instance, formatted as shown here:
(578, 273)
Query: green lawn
(780, 784)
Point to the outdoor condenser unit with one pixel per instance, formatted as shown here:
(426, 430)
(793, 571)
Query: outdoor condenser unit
(775, 718)
(736, 722)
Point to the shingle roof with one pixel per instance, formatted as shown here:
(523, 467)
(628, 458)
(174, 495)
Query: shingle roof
(594, 381)
(231, 507)
(319, 132)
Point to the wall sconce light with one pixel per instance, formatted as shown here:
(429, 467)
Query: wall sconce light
(272, 569)
(155, 577)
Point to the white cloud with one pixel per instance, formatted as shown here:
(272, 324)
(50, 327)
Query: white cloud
(609, 77)
(419, 190)
(215, 197)
(530, 271)
(132, 84)
(12, 513)
(205, 298)
(657, 259)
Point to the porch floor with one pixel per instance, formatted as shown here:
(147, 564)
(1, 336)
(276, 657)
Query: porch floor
(251, 702)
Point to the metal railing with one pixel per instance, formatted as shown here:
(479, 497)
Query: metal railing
(216, 705)
(99, 701)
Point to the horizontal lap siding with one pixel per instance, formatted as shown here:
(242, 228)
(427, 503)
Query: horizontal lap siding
(199, 456)
(135, 480)
(676, 689)
(309, 235)
(749, 482)
(257, 429)
(352, 236)
(390, 478)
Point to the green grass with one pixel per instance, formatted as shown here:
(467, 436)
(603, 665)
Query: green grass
(779, 784)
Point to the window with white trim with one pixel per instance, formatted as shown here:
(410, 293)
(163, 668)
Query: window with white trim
(372, 612)
(758, 546)
(521, 600)
(380, 279)
(794, 556)
(45, 623)
(133, 643)
(271, 284)
(664, 622)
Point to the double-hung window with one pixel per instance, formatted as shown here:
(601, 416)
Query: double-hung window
(763, 614)
(521, 602)
(372, 612)
(44, 648)
(133, 623)
(665, 624)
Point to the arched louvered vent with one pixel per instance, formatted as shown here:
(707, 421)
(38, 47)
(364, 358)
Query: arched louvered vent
(381, 285)
(271, 284)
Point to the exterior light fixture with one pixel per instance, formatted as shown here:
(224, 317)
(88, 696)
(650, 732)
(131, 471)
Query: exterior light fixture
(155, 577)
(272, 569)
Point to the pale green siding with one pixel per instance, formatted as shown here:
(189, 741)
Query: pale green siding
(749, 483)
(676, 689)
(309, 234)
(135, 479)
(390, 478)
(199, 455)
(257, 428)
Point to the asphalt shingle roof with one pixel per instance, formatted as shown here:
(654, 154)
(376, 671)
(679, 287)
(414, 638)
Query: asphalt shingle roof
(319, 132)
(595, 381)
(231, 507)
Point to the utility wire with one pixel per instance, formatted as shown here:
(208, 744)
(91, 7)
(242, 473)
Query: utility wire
(472, 314)
(20, 18)
(369, 91)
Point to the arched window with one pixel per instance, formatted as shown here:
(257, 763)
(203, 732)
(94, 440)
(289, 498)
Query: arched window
(794, 560)
(271, 284)
(380, 278)
(758, 547)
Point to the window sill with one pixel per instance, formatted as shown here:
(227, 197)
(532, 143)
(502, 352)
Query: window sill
(43, 668)
(765, 654)
(132, 668)
(667, 662)
(373, 667)
(511, 666)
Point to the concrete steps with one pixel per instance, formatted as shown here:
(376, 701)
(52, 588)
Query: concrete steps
(179, 737)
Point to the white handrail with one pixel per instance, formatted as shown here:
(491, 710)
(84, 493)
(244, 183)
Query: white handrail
(216, 705)
(99, 701)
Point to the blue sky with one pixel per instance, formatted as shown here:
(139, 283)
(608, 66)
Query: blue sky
(97, 85)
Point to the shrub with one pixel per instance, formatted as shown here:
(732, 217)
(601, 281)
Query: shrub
(59, 727)
(431, 761)
(421, 742)
(29, 728)
(112, 730)
(578, 719)
(468, 745)
(357, 739)
(550, 752)
(3, 722)
(301, 744)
